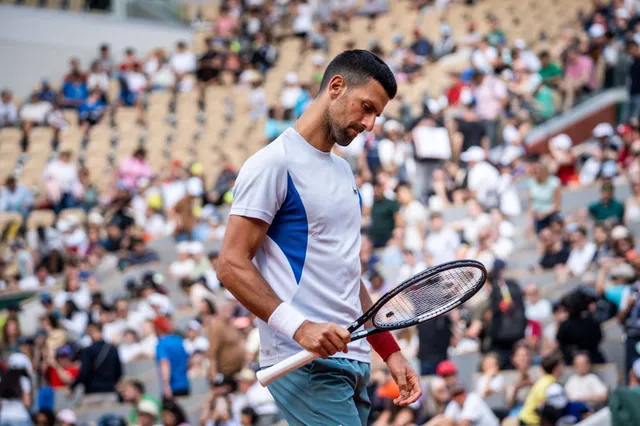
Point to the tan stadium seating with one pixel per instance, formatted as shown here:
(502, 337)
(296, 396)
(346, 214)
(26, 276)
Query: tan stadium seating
(41, 218)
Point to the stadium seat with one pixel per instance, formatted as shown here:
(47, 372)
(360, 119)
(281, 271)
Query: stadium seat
(78, 214)
(40, 218)
(76, 5)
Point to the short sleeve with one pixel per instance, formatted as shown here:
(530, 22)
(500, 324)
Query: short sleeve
(470, 409)
(25, 384)
(452, 411)
(161, 352)
(261, 186)
(555, 182)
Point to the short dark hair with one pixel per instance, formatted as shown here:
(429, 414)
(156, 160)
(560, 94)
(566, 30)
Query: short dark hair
(138, 385)
(551, 361)
(357, 67)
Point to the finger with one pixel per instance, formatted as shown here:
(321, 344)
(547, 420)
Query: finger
(321, 351)
(414, 392)
(329, 346)
(336, 341)
(343, 333)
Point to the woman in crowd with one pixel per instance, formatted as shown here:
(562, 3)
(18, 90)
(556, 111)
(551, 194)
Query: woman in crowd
(10, 336)
(15, 392)
(544, 195)
(518, 390)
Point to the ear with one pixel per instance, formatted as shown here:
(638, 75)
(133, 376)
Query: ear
(336, 87)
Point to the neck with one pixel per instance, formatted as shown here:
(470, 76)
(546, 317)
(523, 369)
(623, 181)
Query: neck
(312, 128)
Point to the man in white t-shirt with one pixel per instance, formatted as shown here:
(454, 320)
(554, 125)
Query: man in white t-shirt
(536, 308)
(442, 242)
(291, 91)
(584, 386)
(582, 252)
(413, 217)
(482, 177)
(291, 252)
(468, 409)
(183, 62)
(184, 265)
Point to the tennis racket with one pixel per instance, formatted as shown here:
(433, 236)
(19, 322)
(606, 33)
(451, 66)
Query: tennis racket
(427, 295)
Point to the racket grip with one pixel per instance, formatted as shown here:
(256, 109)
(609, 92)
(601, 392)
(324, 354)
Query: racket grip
(278, 370)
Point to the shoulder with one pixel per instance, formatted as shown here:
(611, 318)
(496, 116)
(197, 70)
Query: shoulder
(272, 155)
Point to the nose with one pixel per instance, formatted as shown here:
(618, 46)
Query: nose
(369, 121)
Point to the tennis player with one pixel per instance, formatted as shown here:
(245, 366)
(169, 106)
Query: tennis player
(291, 252)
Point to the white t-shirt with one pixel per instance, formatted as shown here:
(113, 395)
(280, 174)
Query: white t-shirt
(200, 343)
(289, 96)
(579, 388)
(172, 192)
(414, 216)
(36, 112)
(474, 409)
(580, 259)
(184, 62)
(311, 254)
(136, 81)
(13, 410)
(473, 225)
(482, 59)
(81, 298)
(496, 384)
(442, 246)
(31, 282)
(98, 80)
(303, 22)
(64, 174)
(541, 311)
(483, 179)
(182, 268)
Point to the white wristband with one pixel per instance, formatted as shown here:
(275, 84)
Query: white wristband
(286, 319)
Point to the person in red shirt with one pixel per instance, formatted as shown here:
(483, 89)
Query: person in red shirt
(129, 60)
(61, 371)
(455, 89)
(75, 71)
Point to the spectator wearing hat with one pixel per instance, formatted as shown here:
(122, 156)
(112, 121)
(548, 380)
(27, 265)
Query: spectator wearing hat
(147, 413)
(468, 408)
(250, 394)
(482, 177)
(226, 348)
(184, 265)
(544, 195)
(66, 417)
(133, 392)
(60, 369)
(140, 254)
(446, 45)
(8, 109)
(632, 106)
(183, 211)
(100, 369)
(448, 371)
(196, 345)
(562, 160)
(172, 359)
(15, 391)
(607, 207)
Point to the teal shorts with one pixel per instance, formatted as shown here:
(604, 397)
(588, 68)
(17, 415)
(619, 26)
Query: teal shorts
(325, 392)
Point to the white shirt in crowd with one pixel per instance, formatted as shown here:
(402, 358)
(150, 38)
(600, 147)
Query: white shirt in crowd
(414, 217)
(483, 179)
(8, 113)
(473, 225)
(64, 174)
(442, 246)
(13, 411)
(482, 59)
(579, 388)
(98, 81)
(184, 62)
(172, 192)
(580, 258)
(496, 385)
(36, 112)
(257, 397)
(474, 409)
(289, 96)
(81, 298)
(136, 81)
(199, 344)
(540, 311)
(303, 22)
(31, 283)
(182, 268)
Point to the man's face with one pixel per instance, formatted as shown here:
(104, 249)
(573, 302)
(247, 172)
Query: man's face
(437, 223)
(130, 393)
(606, 195)
(145, 419)
(352, 110)
(581, 364)
(546, 238)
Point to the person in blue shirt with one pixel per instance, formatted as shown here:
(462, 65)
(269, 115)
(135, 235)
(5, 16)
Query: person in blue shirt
(90, 113)
(172, 360)
(46, 92)
(74, 92)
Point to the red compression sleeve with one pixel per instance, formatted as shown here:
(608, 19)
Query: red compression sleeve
(384, 344)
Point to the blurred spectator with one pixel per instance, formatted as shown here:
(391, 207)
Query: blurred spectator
(194, 342)
(173, 414)
(254, 396)
(107, 64)
(100, 369)
(15, 197)
(562, 160)
(10, 337)
(98, 79)
(15, 391)
(134, 168)
(554, 252)
(442, 242)
(491, 97)
(516, 392)
(413, 218)
(482, 177)
(553, 367)
(550, 72)
(578, 77)
(579, 331)
(437, 397)
(629, 317)
(140, 254)
(224, 182)
(536, 308)
(607, 207)
(226, 350)
(632, 107)
(134, 393)
(582, 252)
(148, 412)
(544, 195)
(490, 381)
(90, 113)
(470, 408)
(74, 91)
(291, 91)
(384, 213)
(33, 113)
(435, 338)
(447, 370)
(44, 417)
(129, 60)
(584, 386)
(445, 45)
(183, 63)
(60, 370)
(61, 182)
(172, 359)
(183, 211)
(8, 109)
(46, 93)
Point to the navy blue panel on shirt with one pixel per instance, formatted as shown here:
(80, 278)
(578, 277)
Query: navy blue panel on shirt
(290, 229)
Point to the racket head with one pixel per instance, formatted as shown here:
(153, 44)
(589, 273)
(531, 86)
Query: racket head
(429, 294)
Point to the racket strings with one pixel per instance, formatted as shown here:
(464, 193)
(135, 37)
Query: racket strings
(428, 297)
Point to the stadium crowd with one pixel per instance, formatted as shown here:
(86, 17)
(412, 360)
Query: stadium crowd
(464, 148)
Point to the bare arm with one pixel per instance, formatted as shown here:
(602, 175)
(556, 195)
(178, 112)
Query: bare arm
(165, 375)
(236, 271)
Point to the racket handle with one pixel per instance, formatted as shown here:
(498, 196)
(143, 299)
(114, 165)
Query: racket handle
(278, 370)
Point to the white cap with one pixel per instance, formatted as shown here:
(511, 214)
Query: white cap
(596, 30)
(95, 218)
(619, 232)
(603, 130)
(434, 106)
(392, 125)
(520, 44)
(291, 78)
(182, 247)
(511, 153)
(196, 247)
(623, 13)
(64, 225)
(318, 60)
(68, 416)
(18, 361)
(194, 325)
(148, 407)
(195, 187)
(475, 153)
(561, 141)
